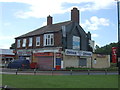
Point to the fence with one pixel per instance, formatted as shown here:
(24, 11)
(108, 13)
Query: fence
(59, 72)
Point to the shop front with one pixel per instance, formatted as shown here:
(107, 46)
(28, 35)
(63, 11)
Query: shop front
(75, 58)
(48, 59)
(25, 54)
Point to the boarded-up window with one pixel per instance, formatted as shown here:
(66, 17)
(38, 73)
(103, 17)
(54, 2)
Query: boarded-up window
(82, 62)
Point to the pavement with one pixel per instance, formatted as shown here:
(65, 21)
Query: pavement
(37, 72)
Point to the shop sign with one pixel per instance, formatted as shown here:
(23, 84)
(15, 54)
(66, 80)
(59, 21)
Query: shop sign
(58, 55)
(24, 52)
(71, 52)
(101, 56)
(86, 53)
(43, 54)
(78, 53)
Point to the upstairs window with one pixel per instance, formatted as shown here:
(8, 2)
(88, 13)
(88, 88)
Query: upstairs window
(30, 42)
(24, 43)
(48, 39)
(37, 41)
(18, 43)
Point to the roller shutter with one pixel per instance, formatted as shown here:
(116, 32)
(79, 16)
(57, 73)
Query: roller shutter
(45, 63)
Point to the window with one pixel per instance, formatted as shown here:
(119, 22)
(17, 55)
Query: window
(24, 43)
(48, 39)
(37, 41)
(30, 42)
(18, 43)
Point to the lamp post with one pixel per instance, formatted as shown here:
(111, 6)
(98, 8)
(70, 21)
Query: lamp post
(118, 48)
(118, 11)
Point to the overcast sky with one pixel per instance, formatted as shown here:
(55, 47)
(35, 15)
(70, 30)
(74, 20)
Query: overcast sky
(21, 16)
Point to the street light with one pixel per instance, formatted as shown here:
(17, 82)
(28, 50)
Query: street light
(118, 48)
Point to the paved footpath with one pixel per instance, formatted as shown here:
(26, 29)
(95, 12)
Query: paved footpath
(32, 72)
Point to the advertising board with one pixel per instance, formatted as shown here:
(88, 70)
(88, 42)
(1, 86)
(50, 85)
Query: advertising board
(76, 42)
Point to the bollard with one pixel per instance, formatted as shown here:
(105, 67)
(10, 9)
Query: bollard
(70, 72)
(105, 71)
(52, 72)
(34, 71)
(16, 71)
(88, 72)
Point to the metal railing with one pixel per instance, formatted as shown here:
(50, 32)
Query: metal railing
(59, 72)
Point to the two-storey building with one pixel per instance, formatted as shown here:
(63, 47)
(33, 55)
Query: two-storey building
(59, 45)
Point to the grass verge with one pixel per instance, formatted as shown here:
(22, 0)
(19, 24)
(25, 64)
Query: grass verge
(81, 81)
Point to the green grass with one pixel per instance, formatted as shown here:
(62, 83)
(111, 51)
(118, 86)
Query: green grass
(81, 81)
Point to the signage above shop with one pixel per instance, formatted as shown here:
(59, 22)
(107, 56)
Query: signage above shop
(24, 52)
(78, 53)
(43, 54)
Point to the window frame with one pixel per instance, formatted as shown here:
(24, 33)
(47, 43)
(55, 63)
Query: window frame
(24, 42)
(49, 39)
(18, 43)
(37, 41)
(30, 42)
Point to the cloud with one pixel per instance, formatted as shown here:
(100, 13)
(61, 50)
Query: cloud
(40, 9)
(6, 37)
(7, 24)
(95, 35)
(5, 41)
(94, 23)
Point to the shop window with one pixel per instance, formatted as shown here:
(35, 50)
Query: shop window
(48, 39)
(24, 43)
(18, 43)
(30, 42)
(37, 41)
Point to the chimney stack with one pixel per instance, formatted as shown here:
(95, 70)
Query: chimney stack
(75, 15)
(49, 20)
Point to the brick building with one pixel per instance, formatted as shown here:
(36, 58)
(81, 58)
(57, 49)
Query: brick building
(59, 45)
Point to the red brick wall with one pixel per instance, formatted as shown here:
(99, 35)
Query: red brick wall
(57, 41)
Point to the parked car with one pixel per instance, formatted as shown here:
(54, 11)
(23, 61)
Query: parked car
(23, 64)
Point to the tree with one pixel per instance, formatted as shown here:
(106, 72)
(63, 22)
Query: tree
(107, 49)
(12, 46)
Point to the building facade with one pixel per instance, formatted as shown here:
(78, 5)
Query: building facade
(6, 55)
(59, 45)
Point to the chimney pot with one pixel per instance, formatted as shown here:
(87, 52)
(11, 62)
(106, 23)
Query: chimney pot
(49, 20)
(75, 15)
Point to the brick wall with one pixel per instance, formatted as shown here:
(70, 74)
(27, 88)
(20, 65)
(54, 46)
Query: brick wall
(57, 41)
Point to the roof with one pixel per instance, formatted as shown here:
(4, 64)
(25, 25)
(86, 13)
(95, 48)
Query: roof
(45, 29)
(6, 52)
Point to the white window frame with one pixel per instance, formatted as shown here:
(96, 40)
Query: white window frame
(18, 43)
(48, 39)
(30, 41)
(24, 42)
(38, 41)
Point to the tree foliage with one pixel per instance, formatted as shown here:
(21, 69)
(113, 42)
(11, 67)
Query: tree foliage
(12, 46)
(107, 49)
